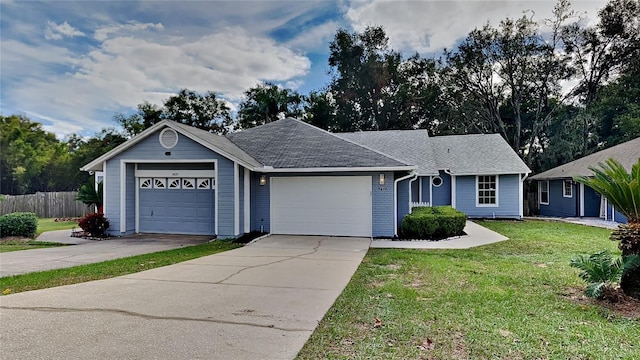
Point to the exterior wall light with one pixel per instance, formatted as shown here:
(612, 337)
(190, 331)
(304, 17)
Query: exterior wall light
(381, 179)
(263, 180)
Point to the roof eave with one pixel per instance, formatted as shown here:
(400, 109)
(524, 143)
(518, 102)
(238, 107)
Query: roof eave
(336, 169)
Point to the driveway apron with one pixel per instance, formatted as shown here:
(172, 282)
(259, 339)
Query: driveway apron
(261, 301)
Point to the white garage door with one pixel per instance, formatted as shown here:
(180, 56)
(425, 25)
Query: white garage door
(321, 205)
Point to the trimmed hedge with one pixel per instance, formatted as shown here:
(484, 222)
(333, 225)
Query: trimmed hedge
(23, 224)
(433, 222)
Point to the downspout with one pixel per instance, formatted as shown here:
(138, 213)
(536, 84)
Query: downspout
(395, 200)
(522, 179)
(411, 191)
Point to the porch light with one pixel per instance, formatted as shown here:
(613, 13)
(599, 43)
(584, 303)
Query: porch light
(381, 179)
(263, 180)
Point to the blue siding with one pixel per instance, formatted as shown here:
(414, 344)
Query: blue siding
(559, 205)
(426, 181)
(508, 198)
(150, 149)
(382, 201)
(618, 217)
(415, 190)
(442, 194)
(591, 202)
(403, 199)
(241, 171)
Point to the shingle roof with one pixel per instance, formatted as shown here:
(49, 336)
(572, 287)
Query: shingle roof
(291, 144)
(626, 154)
(216, 141)
(410, 146)
(476, 154)
(461, 154)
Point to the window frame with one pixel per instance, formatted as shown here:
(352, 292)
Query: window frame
(540, 192)
(564, 189)
(496, 191)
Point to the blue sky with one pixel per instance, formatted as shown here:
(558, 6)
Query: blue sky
(71, 65)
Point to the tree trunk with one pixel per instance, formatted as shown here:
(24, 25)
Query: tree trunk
(629, 237)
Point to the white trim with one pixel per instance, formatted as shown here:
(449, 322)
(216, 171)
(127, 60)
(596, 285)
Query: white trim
(335, 169)
(175, 173)
(395, 201)
(437, 177)
(123, 196)
(216, 198)
(606, 209)
(167, 146)
(137, 180)
(540, 192)
(521, 195)
(581, 199)
(564, 194)
(454, 200)
(497, 190)
(93, 166)
(247, 201)
(104, 190)
(236, 199)
(430, 192)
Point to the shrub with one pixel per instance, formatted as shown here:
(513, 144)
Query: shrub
(601, 271)
(22, 224)
(94, 224)
(433, 222)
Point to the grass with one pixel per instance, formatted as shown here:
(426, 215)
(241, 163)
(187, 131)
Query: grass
(109, 269)
(49, 224)
(43, 225)
(510, 300)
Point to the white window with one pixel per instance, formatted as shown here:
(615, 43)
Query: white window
(174, 183)
(188, 184)
(159, 183)
(567, 188)
(486, 190)
(543, 192)
(204, 183)
(145, 183)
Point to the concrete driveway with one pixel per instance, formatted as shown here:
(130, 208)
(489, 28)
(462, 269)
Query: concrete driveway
(89, 251)
(261, 301)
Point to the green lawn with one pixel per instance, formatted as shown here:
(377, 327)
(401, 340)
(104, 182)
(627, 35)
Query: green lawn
(43, 225)
(109, 269)
(49, 225)
(510, 300)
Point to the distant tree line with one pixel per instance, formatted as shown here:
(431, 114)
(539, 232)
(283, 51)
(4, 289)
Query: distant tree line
(509, 79)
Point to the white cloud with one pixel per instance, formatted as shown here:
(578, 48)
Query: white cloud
(317, 38)
(430, 26)
(104, 33)
(55, 31)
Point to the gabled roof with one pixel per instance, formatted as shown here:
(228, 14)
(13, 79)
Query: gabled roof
(217, 143)
(626, 154)
(292, 144)
(410, 146)
(476, 154)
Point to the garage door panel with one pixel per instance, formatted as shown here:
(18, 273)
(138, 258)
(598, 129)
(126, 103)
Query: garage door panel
(327, 205)
(180, 211)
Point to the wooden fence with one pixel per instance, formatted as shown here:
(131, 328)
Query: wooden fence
(44, 204)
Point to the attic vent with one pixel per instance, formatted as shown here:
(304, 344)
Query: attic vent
(168, 138)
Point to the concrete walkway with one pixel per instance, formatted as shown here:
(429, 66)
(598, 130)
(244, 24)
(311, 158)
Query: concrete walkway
(261, 301)
(476, 236)
(589, 221)
(88, 251)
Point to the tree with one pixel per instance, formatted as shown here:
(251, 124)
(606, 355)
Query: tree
(599, 53)
(265, 103)
(374, 88)
(320, 110)
(203, 111)
(91, 196)
(622, 190)
(506, 80)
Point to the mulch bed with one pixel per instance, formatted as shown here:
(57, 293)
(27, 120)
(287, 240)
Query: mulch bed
(401, 238)
(616, 304)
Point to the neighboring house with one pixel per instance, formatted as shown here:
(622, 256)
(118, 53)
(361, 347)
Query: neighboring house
(289, 177)
(559, 195)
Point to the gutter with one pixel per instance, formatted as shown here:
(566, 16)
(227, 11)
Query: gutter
(395, 199)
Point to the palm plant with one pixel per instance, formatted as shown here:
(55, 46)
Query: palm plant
(602, 272)
(90, 196)
(622, 190)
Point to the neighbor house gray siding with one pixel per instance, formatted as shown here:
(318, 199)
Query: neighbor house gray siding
(508, 198)
(150, 149)
(382, 200)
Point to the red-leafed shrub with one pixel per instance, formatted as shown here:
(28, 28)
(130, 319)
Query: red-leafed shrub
(94, 224)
